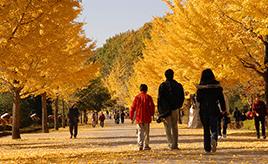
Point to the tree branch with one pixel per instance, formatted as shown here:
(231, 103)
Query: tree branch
(249, 54)
(20, 21)
(34, 19)
(244, 27)
(251, 66)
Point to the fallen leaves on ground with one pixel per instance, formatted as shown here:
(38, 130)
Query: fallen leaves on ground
(117, 144)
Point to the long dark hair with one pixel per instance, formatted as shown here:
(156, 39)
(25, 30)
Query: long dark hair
(207, 76)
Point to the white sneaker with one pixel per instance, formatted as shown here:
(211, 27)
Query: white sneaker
(219, 137)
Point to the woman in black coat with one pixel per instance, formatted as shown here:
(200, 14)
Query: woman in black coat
(212, 105)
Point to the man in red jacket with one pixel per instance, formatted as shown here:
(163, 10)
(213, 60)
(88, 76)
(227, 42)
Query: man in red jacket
(143, 109)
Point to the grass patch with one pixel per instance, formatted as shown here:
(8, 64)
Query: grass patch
(249, 124)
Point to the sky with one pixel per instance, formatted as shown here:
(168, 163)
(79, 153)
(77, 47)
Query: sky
(105, 18)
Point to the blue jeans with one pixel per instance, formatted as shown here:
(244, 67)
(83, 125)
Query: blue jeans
(210, 126)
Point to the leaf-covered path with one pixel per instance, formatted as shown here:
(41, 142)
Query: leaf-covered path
(117, 144)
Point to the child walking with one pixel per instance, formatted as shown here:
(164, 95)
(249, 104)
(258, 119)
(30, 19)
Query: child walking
(143, 106)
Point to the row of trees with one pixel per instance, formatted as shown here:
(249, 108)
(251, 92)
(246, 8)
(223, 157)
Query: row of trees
(118, 57)
(43, 51)
(228, 36)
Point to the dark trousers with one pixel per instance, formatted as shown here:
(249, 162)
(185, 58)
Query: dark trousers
(210, 126)
(257, 125)
(73, 129)
(224, 128)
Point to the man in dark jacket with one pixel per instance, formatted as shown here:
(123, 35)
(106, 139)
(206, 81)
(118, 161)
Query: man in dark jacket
(170, 99)
(73, 116)
(212, 105)
(259, 113)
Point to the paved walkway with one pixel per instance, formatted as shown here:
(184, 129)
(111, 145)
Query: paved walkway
(117, 144)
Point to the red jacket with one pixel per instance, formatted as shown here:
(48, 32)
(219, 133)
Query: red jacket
(143, 107)
(259, 108)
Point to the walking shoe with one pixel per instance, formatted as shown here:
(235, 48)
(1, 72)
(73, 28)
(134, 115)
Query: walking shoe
(224, 136)
(140, 148)
(174, 148)
(171, 147)
(213, 146)
(264, 137)
(258, 137)
(219, 137)
(207, 152)
(146, 148)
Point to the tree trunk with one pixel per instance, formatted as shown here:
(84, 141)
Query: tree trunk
(56, 114)
(266, 86)
(266, 51)
(63, 114)
(85, 117)
(266, 68)
(44, 113)
(16, 115)
(81, 118)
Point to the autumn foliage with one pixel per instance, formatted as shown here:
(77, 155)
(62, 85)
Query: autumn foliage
(226, 36)
(42, 50)
(118, 57)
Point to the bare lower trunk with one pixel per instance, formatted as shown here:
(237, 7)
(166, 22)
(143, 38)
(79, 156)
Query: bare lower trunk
(266, 71)
(63, 114)
(81, 118)
(16, 115)
(266, 50)
(44, 113)
(85, 117)
(56, 114)
(266, 87)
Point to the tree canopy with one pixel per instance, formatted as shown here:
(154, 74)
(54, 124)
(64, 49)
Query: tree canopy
(118, 57)
(223, 35)
(43, 49)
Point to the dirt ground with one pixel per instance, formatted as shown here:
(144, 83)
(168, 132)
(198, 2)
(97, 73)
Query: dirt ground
(117, 144)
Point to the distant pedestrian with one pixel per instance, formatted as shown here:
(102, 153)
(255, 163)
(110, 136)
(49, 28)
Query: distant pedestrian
(102, 118)
(170, 100)
(93, 120)
(122, 117)
(96, 118)
(237, 117)
(194, 117)
(107, 115)
(143, 106)
(73, 116)
(209, 95)
(259, 113)
(226, 120)
(117, 117)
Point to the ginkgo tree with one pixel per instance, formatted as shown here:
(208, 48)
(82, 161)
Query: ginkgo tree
(118, 56)
(43, 50)
(227, 36)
